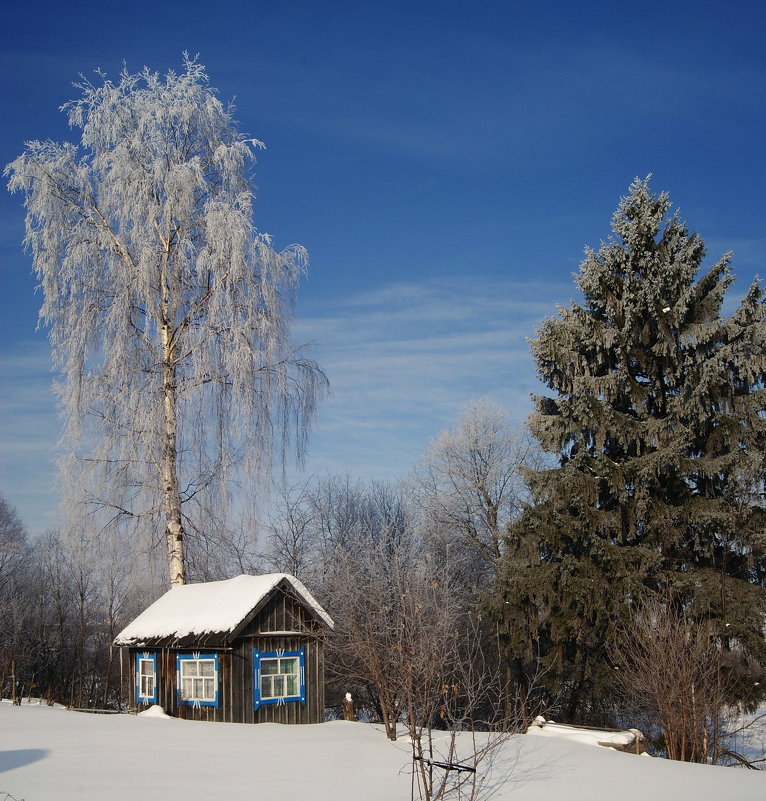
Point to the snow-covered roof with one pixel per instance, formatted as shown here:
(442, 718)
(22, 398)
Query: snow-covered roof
(214, 607)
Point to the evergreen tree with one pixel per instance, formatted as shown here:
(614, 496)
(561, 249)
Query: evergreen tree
(657, 420)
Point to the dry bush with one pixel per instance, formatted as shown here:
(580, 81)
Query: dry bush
(672, 676)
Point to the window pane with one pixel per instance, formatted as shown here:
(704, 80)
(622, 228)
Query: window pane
(279, 686)
(269, 667)
(198, 679)
(289, 665)
(292, 685)
(266, 687)
(188, 668)
(145, 678)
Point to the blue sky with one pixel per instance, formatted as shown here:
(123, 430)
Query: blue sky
(445, 163)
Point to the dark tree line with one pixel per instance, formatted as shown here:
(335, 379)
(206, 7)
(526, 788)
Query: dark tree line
(62, 601)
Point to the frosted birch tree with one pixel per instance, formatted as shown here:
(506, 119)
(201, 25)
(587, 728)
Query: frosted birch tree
(169, 313)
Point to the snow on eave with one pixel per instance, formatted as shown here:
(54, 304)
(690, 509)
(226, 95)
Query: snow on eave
(215, 607)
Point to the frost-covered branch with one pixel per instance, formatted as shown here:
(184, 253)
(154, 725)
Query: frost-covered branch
(169, 313)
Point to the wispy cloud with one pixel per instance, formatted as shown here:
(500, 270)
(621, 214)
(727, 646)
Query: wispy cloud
(28, 435)
(405, 358)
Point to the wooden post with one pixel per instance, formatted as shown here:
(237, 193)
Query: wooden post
(122, 686)
(348, 708)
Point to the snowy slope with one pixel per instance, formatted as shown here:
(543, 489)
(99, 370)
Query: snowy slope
(50, 754)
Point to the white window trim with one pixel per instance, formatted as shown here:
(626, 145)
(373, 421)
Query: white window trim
(186, 661)
(141, 660)
(259, 657)
(295, 659)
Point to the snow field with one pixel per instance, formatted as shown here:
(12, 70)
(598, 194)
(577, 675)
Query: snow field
(51, 754)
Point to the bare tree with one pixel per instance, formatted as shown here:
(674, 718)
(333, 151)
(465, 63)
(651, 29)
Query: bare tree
(168, 312)
(469, 485)
(13, 541)
(404, 638)
(14, 556)
(291, 529)
(454, 727)
(399, 621)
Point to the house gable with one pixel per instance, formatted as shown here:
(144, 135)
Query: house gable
(214, 613)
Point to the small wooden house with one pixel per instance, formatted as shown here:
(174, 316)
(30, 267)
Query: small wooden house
(246, 650)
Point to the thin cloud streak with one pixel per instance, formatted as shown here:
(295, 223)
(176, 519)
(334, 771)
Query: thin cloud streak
(28, 435)
(403, 360)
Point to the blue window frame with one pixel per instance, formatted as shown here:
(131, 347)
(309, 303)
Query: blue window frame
(197, 679)
(279, 677)
(146, 678)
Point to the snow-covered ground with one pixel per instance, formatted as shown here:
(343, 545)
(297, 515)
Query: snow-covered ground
(51, 754)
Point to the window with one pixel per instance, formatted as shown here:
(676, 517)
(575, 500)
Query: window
(279, 677)
(198, 679)
(146, 678)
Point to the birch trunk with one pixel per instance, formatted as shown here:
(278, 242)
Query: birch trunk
(174, 530)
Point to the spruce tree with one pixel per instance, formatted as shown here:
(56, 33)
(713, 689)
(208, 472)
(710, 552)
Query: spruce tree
(657, 420)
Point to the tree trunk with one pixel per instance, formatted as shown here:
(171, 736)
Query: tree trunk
(174, 530)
